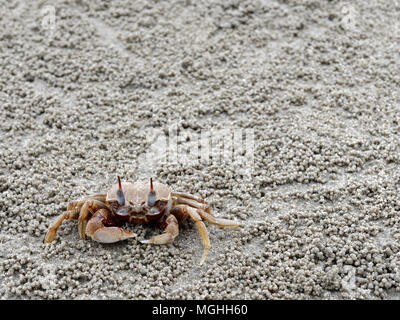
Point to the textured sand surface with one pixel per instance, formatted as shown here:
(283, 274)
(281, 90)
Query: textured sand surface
(317, 81)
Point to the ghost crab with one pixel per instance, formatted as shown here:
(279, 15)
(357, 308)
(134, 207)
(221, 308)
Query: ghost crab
(101, 215)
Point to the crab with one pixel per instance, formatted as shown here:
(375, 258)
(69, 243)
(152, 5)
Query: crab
(100, 216)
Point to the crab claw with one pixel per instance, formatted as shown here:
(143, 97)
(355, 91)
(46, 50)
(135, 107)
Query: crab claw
(111, 235)
(120, 193)
(100, 233)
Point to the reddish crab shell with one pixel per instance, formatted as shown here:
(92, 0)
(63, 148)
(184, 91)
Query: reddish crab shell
(136, 207)
(137, 192)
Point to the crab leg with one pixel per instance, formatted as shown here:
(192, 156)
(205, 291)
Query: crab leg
(51, 232)
(97, 231)
(191, 200)
(201, 227)
(188, 196)
(181, 211)
(74, 211)
(90, 206)
(224, 223)
(193, 203)
(170, 232)
(204, 210)
(79, 203)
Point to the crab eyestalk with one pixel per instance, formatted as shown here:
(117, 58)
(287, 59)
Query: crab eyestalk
(151, 198)
(120, 193)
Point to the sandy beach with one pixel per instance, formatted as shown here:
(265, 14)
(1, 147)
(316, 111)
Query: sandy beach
(94, 89)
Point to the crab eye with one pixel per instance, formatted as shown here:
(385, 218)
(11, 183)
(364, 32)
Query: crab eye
(151, 198)
(120, 194)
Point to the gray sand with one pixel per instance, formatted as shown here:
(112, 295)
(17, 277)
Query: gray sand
(317, 81)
